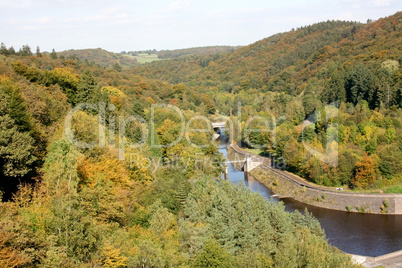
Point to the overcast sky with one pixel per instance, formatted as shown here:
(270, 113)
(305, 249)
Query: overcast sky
(119, 25)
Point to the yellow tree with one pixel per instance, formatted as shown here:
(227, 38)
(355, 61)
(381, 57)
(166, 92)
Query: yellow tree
(365, 172)
(111, 258)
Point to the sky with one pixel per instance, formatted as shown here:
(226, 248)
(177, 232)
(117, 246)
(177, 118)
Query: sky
(132, 25)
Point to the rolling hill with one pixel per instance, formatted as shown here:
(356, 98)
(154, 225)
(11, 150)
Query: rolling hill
(291, 61)
(100, 56)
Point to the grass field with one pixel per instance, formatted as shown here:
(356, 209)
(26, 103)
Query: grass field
(396, 189)
(254, 151)
(144, 57)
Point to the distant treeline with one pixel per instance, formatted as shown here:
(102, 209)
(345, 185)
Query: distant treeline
(176, 53)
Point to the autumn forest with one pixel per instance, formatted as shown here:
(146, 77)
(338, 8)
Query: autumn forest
(93, 174)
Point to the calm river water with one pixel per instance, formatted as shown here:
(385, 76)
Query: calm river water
(354, 233)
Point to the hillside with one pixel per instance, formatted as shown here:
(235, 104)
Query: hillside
(86, 187)
(293, 76)
(176, 53)
(290, 61)
(204, 54)
(169, 54)
(100, 56)
(115, 167)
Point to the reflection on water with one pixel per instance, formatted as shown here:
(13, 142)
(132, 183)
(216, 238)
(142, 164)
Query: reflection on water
(361, 234)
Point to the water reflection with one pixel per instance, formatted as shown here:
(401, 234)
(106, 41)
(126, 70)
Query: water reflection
(361, 234)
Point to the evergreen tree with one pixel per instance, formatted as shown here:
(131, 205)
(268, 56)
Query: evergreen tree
(3, 49)
(362, 85)
(11, 51)
(16, 149)
(138, 109)
(53, 54)
(87, 88)
(38, 53)
(25, 51)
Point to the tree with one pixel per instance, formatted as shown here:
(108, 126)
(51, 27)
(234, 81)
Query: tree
(87, 90)
(111, 258)
(336, 91)
(11, 51)
(25, 51)
(361, 84)
(38, 53)
(3, 49)
(9, 256)
(213, 255)
(53, 54)
(58, 181)
(365, 172)
(346, 166)
(67, 80)
(390, 164)
(16, 150)
(117, 67)
(138, 109)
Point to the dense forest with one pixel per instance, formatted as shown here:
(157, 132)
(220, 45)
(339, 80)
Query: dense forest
(299, 75)
(93, 174)
(66, 205)
(100, 56)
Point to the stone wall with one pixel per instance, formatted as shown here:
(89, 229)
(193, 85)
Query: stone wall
(282, 184)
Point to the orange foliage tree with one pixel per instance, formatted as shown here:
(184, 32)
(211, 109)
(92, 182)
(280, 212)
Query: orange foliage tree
(365, 172)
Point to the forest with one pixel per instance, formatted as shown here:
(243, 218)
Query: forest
(93, 175)
(299, 75)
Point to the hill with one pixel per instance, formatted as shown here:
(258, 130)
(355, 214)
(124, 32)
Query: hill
(100, 56)
(168, 54)
(148, 56)
(288, 62)
(70, 201)
(176, 53)
(293, 76)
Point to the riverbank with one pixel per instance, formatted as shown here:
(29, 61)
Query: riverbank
(287, 185)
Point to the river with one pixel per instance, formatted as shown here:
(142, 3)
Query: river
(354, 233)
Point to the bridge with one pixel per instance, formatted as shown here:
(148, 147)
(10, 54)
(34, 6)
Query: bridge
(218, 128)
(219, 124)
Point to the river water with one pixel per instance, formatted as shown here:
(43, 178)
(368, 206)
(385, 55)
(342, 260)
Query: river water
(354, 233)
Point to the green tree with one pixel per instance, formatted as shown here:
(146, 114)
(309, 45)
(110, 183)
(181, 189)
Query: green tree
(16, 150)
(361, 84)
(138, 109)
(25, 51)
(346, 165)
(17, 154)
(15, 105)
(53, 54)
(390, 164)
(87, 88)
(213, 255)
(3, 49)
(11, 51)
(336, 89)
(117, 67)
(38, 53)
